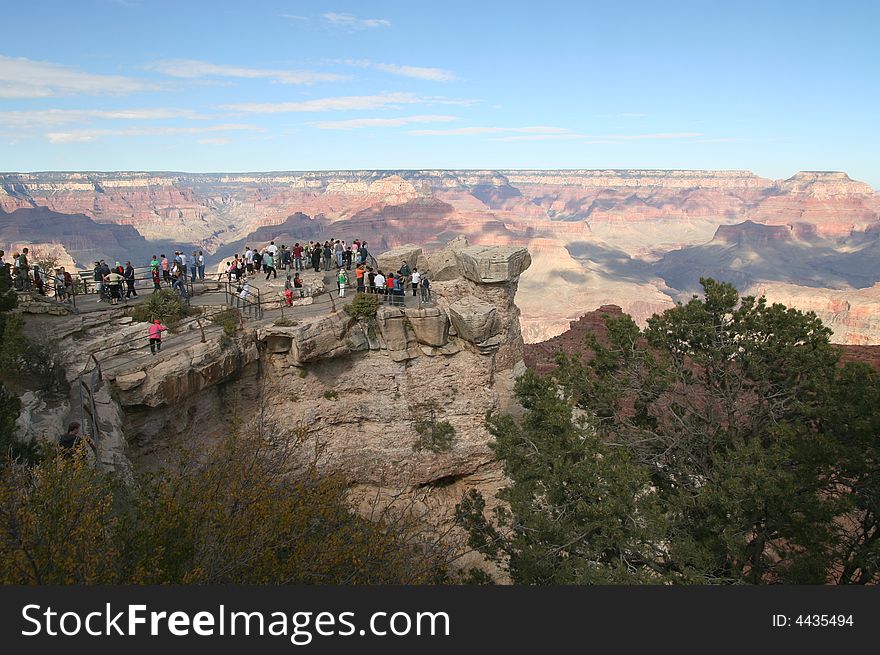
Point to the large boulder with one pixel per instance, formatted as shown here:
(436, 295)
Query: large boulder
(442, 265)
(475, 320)
(323, 339)
(392, 260)
(492, 264)
(430, 325)
(399, 342)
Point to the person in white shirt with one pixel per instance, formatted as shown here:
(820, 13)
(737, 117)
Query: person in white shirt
(415, 279)
(249, 260)
(379, 282)
(273, 249)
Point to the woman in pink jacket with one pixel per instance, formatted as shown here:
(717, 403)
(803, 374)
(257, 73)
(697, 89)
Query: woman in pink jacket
(156, 330)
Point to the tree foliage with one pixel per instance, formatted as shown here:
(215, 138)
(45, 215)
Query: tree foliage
(722, 444)
(232, 515)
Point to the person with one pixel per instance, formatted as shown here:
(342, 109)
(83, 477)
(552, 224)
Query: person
(269, 265)
(200, 262)
(328, 255)
(285, 258)
(24, 269)
(316, 259)
(405, 271)
(156, 330)
(68, 284)
(399, 291)
(166, 272)
(72, 438)
(339, 250)
(359, 276)
(298, 284)
(129, 281)
(114, 282)
(425, 285)
(379, 282)
(258, 261)
(288, 297)
(156, 279)
(390, 283)
(194, 267)
(342, 280)
(362, 253)
(297, 256)
(371, 280)
(99, 281)
(245, 291)
(272, 249)
(181, 258)
(60, 287)
(154, 263)
(38, 280)
(416, 278)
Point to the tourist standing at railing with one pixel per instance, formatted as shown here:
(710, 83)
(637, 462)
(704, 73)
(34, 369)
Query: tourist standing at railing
(285, 258)
(341, 280)
(379, 283)
(359, 277)
(114, 282)
(193, 269)
(297, 257)
(129, 280)
(258, 261)
(156, 279)
(166, 272)
(98, 277)
(363, 254)
(339, 251)
(316, 258)
(154, 263)
(249, 259)
(371, 280)
(60, 287)
(328, 255)
(200, 263)
(425, 286)
(414, 280)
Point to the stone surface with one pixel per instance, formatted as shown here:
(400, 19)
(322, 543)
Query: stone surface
(392, 260)
(430, 325)
(443, 264)
(322, 339)
(130, 380)
(475, 320)
(491, 265)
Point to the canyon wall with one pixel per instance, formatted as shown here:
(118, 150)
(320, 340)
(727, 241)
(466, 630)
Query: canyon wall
(630, 237)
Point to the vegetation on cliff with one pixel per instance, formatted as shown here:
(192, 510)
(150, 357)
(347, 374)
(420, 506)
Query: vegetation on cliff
(723, 444)
(232, 515)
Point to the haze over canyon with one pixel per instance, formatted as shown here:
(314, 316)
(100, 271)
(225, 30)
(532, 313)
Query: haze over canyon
(639, 239)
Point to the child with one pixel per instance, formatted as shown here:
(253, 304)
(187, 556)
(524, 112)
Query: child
(288, 297)
(156, 330)
(342, 279)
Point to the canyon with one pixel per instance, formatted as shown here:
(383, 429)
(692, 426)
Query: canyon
(639, 239)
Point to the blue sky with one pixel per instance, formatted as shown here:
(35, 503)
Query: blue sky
(773, 87)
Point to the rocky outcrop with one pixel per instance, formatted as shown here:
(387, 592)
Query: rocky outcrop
(488, 265)
(429, 325)
(475, 320)
(392, 260)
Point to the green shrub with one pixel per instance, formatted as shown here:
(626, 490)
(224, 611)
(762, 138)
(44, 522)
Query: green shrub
(331, 395)
(166, 305)
(229, 319)
(364, 305)
(436, 436)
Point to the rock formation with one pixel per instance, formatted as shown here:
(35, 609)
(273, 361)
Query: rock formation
(595, 236)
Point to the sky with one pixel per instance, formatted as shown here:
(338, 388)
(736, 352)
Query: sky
(771, 87)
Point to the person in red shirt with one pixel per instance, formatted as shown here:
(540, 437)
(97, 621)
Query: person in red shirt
(297, 257)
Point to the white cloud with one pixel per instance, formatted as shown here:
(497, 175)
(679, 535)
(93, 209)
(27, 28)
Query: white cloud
(80, 136)
(471, 131)
(351, 22)
(340, 103)
(418, 72)
(600, 138)
(547, 133)
(219, 141)
(359, 123)
(47, 118)
(194, 69)
(26, 78)
(294, 17)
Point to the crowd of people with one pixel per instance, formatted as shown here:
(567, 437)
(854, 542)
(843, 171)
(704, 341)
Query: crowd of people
(118, 282)
(331, 255)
